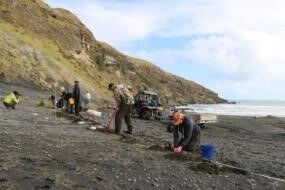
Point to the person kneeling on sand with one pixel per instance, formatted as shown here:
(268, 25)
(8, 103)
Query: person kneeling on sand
(186, 134)
(11, 100)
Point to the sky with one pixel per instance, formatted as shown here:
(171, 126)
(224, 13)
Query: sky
(235, 48)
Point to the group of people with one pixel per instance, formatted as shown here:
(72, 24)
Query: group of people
(72, 101)
(186, 133)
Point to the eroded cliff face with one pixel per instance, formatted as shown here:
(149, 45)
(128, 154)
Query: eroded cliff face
(51, 47)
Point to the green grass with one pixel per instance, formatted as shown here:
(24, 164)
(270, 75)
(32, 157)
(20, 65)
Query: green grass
(45, 47)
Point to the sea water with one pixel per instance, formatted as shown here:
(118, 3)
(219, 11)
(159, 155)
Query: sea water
(243, 108)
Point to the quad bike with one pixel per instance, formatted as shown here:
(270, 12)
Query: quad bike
(146, 105)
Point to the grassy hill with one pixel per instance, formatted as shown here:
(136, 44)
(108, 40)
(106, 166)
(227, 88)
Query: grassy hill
(48, 48)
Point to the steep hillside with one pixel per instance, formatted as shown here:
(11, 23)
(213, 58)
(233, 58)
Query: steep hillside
(49, 47)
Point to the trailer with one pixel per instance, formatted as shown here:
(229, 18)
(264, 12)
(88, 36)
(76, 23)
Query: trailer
(147, 106)
(200, 118)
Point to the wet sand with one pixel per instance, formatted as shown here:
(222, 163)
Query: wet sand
(43, 150)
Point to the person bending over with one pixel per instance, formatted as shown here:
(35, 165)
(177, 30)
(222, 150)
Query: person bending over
(11, 100)
(124, 101)
(186, 134)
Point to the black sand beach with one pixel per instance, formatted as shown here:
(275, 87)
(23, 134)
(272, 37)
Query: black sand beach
(41, 151)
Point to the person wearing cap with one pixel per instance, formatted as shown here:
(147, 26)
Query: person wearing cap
(186, 134)
(124, 101)
(76, 96)
(11, 100)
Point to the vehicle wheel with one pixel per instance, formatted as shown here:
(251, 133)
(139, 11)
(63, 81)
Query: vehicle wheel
(158, 115)
(146, 114)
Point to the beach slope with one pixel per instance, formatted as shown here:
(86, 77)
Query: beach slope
(40, 150)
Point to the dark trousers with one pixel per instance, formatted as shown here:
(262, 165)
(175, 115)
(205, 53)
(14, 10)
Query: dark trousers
(194, 144)
(125, 112)
(77, 107)
(11, 105)
(69, 108)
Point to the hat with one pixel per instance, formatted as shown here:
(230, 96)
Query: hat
(177, 118)
(110, 85)
(16, 93)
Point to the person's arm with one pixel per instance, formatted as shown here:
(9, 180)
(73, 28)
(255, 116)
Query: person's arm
(15, 99)
(117, 96)
(188, 130)
(175, 137)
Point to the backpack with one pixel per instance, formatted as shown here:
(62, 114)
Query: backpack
(71, 101)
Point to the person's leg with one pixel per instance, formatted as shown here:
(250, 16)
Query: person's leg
(6, 105)
(11, 105)
(61, 103)
(194, 145)
(128, 119)
(118, 118)
(67, 107)
(87, 104)
(64, 103)
(53, 102)
(76, 108)
(71, 108)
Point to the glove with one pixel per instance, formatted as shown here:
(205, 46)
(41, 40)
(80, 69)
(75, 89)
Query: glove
(178, 149)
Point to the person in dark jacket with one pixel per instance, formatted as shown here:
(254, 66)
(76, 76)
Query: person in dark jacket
(61, 103)
(186, 134)
(76, 96)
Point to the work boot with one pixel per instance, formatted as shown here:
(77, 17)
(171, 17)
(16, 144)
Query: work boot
(128, 132)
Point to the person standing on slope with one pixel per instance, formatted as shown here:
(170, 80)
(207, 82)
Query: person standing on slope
(76, 96)
(125, 102)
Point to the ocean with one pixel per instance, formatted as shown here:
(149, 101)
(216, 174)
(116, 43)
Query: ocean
(243, 108)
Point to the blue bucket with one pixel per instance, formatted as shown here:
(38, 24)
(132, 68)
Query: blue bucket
(207, 151)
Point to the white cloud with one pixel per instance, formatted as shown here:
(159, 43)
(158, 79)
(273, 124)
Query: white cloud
(241, 43)
(117, 22)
